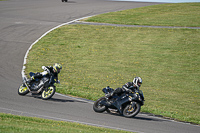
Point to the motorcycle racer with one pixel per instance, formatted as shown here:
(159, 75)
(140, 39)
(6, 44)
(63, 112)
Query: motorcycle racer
(126, 101)
(128, 87)
(48, 71)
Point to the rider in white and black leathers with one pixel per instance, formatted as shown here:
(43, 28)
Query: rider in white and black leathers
(128, 87)
(48, 71)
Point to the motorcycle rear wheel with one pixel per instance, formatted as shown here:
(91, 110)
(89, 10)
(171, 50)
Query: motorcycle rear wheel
(23, 90)
(97, 107)
(48, 93)
(130, 111)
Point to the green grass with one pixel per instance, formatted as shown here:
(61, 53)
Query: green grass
(20, 124)
(183, 14)
(94, 57)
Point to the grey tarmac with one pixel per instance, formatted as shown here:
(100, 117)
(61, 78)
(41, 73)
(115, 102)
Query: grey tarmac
(22, 22)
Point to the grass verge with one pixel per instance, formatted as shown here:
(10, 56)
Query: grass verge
(183, 14)
(93, 57)
(20, 124)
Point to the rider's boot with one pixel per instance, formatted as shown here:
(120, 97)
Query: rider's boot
(108, 97)
(29, 81)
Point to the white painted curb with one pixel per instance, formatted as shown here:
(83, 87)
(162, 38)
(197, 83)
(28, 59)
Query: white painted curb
(25, 57)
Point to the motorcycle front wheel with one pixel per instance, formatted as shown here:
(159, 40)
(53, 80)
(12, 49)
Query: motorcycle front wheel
(98, 107)
(130, 111)
(23, 90)
(48, 92)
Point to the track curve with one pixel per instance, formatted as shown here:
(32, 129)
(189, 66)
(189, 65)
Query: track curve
(24, 21)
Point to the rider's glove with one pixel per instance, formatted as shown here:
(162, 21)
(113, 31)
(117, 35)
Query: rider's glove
(32, 78)
(135, 95)
(58, 81)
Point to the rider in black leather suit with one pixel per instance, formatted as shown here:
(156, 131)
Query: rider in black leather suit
(128, 87)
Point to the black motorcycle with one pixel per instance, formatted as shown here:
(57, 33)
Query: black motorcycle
(46, 91)
(127, 104)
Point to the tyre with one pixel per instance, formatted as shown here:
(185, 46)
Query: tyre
(98, 107)
(48, 93)
(130, 111)
(23, 90)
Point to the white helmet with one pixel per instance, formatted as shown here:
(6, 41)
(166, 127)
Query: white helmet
(137, 81)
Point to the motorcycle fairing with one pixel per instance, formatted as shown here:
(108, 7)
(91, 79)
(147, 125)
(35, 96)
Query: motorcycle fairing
(107, 90)
(118, 103)
(121, 101)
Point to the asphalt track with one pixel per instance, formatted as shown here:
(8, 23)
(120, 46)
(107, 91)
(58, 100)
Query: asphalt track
(22, 22)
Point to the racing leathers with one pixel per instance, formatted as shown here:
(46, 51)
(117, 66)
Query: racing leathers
(45, 76)
(128, 87)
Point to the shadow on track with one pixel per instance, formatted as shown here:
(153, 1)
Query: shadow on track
(138, 117)
(64, 100)
(54, 99)
(69, 2)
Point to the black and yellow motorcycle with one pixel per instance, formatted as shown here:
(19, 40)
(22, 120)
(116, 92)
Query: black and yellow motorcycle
(46, 91)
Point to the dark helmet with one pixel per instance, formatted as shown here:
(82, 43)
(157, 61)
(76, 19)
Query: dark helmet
(57, 67)
(137, 81)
